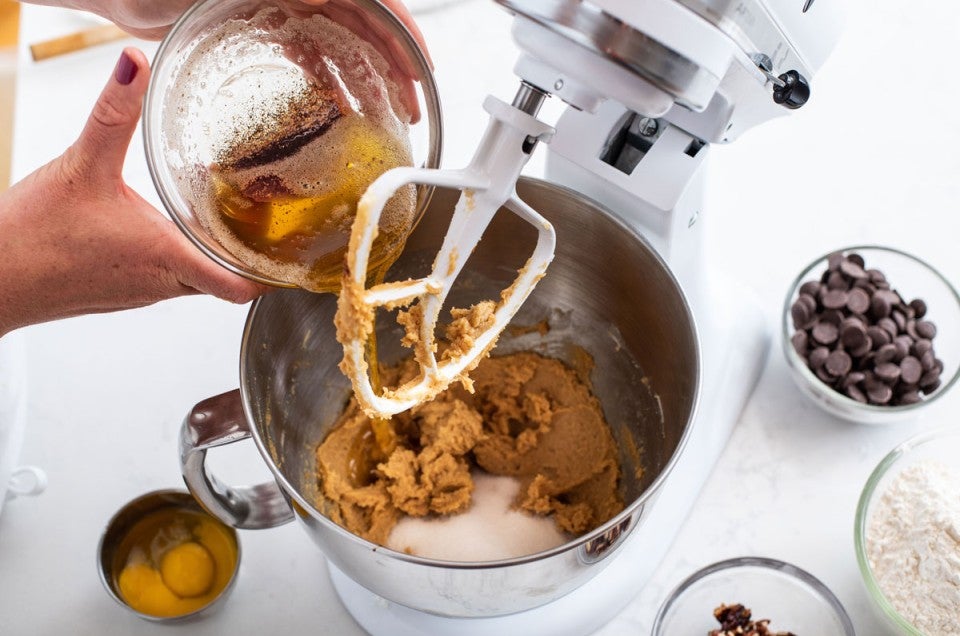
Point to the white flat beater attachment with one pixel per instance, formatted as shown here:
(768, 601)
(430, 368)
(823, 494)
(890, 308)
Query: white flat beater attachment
(486, 185)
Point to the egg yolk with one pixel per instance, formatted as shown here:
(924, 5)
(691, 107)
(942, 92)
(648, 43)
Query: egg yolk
(176, 563)
(144, 590)
(187, 569)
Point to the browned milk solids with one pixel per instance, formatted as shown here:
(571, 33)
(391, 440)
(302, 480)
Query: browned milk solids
(283, 193)
(529, 417)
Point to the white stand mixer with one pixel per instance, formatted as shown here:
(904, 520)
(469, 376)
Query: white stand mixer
(650, 85)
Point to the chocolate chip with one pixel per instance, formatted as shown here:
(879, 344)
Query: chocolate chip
(876, 276)
(910, 327)
(858, 301)
(834, 260)
(921, 347)
(865, 285)
(852, 269)
(852, 333)
(902, 345)
(879, 394)
(911, 370)
(910, 397)
(838, 363)
(926, 329)
(888, 372)
(889, 326)
(810, 288)
(800, 314)
(800, 340)
(854, 377)
(825, 333)
(863, 349)
(879, 306)
(899, 319)
(818, 357)
(856, 259)
(835, 298)
(833, 316)
(836, 281)
(930, 388)
(885, 354)
(824, 375)
(927, 361)
(855, 393)
(879, 336)
(929, 377)
(919, 307)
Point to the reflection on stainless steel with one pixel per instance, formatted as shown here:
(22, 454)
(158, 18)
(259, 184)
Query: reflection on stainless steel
(584, 24)
(607, 292)
(754, 30)
(746, 22)
(600, 547)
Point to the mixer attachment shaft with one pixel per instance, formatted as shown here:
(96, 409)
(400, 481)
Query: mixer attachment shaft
(487, 185)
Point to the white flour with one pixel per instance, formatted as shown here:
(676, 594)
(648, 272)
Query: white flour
(913, 544)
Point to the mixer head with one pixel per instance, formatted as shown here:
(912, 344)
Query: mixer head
(712, 67)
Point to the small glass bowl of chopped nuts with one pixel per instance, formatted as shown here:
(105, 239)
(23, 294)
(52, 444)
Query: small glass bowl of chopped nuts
(872, 334)
(755, 595)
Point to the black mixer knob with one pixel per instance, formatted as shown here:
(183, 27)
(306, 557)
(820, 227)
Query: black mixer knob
(793, 92)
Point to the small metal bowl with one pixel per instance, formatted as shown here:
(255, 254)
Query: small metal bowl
(791, 598)
(121, 524)
(941, 445)
(913, 278)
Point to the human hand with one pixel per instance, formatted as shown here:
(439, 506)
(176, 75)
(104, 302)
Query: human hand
(75, 239)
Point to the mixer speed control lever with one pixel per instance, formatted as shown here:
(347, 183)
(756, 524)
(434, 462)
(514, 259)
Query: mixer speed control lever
(791, 90)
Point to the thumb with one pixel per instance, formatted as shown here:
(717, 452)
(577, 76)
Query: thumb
(106, 136)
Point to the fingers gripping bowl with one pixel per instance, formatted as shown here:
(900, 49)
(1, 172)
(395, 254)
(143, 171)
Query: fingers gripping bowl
(630, 316)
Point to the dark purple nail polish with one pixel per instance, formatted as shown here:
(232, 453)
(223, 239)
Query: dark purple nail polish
(126, 69)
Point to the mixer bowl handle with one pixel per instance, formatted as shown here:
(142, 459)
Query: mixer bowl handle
(218, 421)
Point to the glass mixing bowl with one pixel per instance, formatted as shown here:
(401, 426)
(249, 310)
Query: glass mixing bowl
(915, 279)
(942, 445)
(791, 598)
(234, 73)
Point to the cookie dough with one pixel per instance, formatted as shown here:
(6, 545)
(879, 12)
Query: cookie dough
(529, 417)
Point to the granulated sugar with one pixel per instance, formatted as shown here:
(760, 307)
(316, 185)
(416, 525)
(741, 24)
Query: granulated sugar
(913, 544)
(488, 531)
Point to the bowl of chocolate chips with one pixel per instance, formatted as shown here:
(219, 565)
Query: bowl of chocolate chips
(872, 334)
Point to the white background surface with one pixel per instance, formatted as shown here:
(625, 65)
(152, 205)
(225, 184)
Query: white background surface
(871, 159)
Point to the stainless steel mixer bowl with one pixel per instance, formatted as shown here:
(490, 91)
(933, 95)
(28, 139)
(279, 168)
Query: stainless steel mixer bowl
(607, 293)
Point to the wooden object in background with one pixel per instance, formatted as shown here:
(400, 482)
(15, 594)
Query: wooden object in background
(76, 41)
(9, 28)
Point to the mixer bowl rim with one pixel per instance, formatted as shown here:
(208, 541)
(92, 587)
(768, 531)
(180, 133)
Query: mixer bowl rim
(625, 514)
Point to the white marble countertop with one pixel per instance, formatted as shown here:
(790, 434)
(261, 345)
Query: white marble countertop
(871, 159)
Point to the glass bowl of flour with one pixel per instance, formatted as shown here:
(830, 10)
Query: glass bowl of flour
(907, 535)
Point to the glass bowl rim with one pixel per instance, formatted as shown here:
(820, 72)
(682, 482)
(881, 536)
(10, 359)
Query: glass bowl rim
(797, 365)
(763, 563)
(881, 470)
(151, 137)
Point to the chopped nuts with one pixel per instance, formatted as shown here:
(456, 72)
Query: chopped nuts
(735, 620)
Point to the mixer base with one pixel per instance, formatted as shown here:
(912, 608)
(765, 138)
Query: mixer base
(734, 340)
